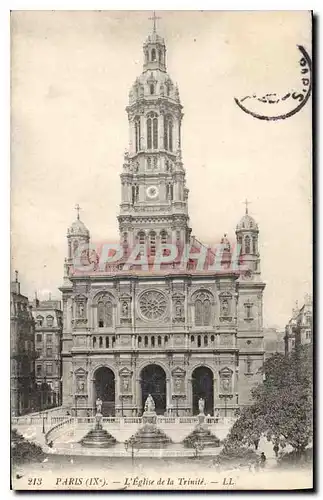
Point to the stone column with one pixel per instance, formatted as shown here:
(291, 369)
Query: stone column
(168, 393)
(161, 132)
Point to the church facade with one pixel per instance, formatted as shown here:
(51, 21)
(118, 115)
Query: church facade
(163, 314)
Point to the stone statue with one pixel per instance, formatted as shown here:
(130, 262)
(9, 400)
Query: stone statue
(225, 308)
(98, 405)
(179, 310)
(178, 384)
(125, 309)
(225, 384)
(149, 404)
(125, 384)
(201, 406)
(81, 385)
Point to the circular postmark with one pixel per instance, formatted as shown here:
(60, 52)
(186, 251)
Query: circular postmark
(271, 106)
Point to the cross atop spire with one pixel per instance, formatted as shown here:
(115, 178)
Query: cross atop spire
(246, 202)
(154, 19)
(78, 208)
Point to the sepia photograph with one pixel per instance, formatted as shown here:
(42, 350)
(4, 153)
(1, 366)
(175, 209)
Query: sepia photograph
(161, 299)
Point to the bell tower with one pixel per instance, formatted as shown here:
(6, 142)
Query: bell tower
(153, 190)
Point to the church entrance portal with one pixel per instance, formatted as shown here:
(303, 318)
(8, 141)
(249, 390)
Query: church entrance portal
(104, 384)
(153, 381)
(202, 386)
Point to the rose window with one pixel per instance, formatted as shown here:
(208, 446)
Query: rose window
(152, 304)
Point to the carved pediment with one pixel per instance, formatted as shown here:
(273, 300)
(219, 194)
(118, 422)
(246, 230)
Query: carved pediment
(225, 372)
(80, 372)
(178, 372)
(125, 372)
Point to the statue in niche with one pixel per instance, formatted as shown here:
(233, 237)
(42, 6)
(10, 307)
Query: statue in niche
(178, 310)
(225, 385)
(81, 310)
(125, 309)
(178, 384)
(201, 406)
(149, 404)
(225, 307)
(81, 385)
(125, 384)
(98, 405)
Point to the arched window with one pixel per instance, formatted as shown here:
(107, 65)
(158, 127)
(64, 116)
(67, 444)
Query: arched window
(212, 338)
(153, 55)
(207, 312)
(49, 320)
(166, 339)
(94, 341)
(139, 341)
(100, 342)
(155, 133)
(108, 311)
(247, 244)
(40, 320)
(192, 338)
(159, 340)
(107, 342)
(146, 341)
(202, 309)
(168, 133)
(152, 243)
(160, 54)
(205, 340)
(163, 237)
(199, 341)
(141, 241)
(113, 341)
(137, 133)
(198, 313)
(254, 244)
(152, 89)
(101, 314)
(153, 341)
(152, 131)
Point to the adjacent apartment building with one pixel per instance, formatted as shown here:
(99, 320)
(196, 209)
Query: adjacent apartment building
(48, 338)
(299, 329)
(22, 352)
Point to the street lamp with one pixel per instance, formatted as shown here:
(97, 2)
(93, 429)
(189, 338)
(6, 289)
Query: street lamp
(133, 444)
(176, 397)
(44, 416)
(225, 397)
(121, 399)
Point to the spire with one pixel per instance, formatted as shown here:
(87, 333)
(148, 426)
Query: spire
(154, 19)
(246, 202)
(78, 208)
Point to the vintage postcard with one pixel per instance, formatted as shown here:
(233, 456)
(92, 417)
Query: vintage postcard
(161, 294)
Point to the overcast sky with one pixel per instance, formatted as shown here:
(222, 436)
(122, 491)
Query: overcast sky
(71, 74)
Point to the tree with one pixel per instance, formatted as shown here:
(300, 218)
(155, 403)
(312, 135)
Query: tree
(282, 404)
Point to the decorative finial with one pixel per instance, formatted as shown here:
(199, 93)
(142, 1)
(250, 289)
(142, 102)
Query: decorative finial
(49, 296)
(154, 19)
(36, 296)
(16, 273)
(246, 202)
(78, 208)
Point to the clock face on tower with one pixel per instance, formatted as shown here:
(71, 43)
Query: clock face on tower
(152, 192)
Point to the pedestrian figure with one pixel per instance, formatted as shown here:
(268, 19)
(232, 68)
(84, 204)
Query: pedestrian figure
(262, 460)
(257, 465)
(276, 450)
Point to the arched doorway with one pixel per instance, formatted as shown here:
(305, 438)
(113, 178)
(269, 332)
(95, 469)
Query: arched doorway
(153, 381)
(104, 388)
(202, 387)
